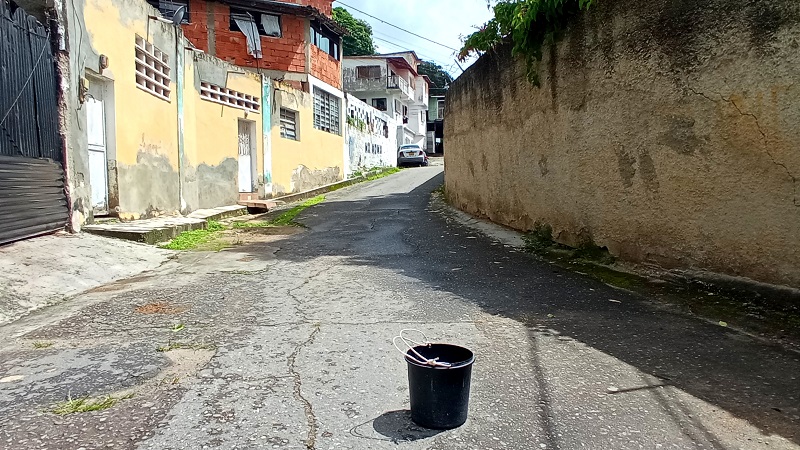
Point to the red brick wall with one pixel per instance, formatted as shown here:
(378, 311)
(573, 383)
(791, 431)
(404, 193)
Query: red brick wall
(325, 67)
(285, 54)
(326, 6)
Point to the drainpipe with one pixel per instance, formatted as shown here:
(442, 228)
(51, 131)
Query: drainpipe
(180, 82)
(266, 130)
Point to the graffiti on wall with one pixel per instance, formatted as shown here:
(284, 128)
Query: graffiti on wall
(371, 136)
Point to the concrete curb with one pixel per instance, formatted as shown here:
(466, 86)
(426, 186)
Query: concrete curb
(291, 198)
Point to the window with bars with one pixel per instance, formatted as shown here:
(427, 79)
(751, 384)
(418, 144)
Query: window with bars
(152, 69)
(229, 97)
(167, 8)
(326, 111)
(289, 124)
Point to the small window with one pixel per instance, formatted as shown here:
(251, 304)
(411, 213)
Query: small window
(368, 72)
(167, 8)
(288, 124)
(327, 111)
(229, 97)
(379, 104)
(325, 40)
(152, 69)
(267, 24)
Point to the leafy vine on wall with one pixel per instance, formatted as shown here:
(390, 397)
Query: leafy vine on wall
(528, 25)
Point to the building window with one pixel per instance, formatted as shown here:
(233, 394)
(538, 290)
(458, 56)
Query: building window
(169, 7)
(368, 72)
(228, 97)
(325, 40)
(379, 104)
(288, 124)
(267, 24)
(152, 69)
(326, 111)
(441, 109)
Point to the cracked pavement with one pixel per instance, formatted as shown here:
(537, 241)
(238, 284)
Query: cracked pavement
(286, 343)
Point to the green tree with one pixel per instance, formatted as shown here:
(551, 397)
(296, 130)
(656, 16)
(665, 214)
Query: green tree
(359, 42)
(439, 77)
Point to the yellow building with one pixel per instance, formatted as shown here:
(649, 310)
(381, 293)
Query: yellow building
(305, 153)
(170, 129)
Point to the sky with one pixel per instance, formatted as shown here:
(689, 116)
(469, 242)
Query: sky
(442, 21)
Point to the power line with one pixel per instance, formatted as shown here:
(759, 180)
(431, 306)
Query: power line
(395, 26)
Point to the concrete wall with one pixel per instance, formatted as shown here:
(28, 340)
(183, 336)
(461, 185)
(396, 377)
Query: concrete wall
(164, 156)
(316, 158)
(666, 131)
(370, 137)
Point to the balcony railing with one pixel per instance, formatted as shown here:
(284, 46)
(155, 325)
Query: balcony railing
(395, 82)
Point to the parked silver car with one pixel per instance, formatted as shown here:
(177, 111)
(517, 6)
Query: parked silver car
(412, 155)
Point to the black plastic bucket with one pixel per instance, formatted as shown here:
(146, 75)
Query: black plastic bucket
(440, 395)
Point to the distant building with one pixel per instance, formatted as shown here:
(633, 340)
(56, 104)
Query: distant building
(436, 114)
(390, 83)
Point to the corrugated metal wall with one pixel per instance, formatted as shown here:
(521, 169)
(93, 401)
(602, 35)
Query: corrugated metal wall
(32, 196)
(32, 199)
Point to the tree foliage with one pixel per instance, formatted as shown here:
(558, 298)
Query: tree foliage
(359, 42)
(439, 77)
(527, 25)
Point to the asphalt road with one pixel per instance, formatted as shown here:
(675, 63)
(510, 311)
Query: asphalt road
(288, 345)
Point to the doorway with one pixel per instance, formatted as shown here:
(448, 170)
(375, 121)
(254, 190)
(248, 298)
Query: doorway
(247, 155)
(100, 133)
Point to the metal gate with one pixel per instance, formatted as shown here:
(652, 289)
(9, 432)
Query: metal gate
(32, 196)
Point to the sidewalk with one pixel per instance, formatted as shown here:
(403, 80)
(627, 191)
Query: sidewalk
(48, 269)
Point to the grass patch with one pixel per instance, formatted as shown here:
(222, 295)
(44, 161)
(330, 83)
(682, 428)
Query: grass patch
(41, 344)
(190, 240)
(287, 218)
(382, 173)
(86, 404)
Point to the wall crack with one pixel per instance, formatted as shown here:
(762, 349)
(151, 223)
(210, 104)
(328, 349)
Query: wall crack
(795, 199)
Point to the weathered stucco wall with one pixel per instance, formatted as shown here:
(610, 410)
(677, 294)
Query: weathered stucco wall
(157, 166)
(665, 130)
(212, 133)
(315, 159)
(370, 136)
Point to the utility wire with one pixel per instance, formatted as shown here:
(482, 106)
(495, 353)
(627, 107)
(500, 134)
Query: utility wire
(395, 26)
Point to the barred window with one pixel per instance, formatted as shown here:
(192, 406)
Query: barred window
(288, 124)
(326, 111)
(152, 69)
(228, 97)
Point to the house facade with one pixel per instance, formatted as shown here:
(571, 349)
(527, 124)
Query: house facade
(296, 47)
(391, 84)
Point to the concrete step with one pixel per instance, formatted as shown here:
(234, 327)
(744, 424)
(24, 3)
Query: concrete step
(150, 231)
(162, 229)
(260, 205)
(220, 213)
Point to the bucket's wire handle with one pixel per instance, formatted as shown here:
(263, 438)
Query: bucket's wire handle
(415, 354)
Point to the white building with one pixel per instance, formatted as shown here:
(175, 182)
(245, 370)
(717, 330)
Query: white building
(390, 83)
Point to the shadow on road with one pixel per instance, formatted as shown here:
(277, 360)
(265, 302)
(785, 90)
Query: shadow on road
(749, 379)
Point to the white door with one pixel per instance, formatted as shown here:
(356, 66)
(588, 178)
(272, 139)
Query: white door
(246, 152)
(98, 161)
